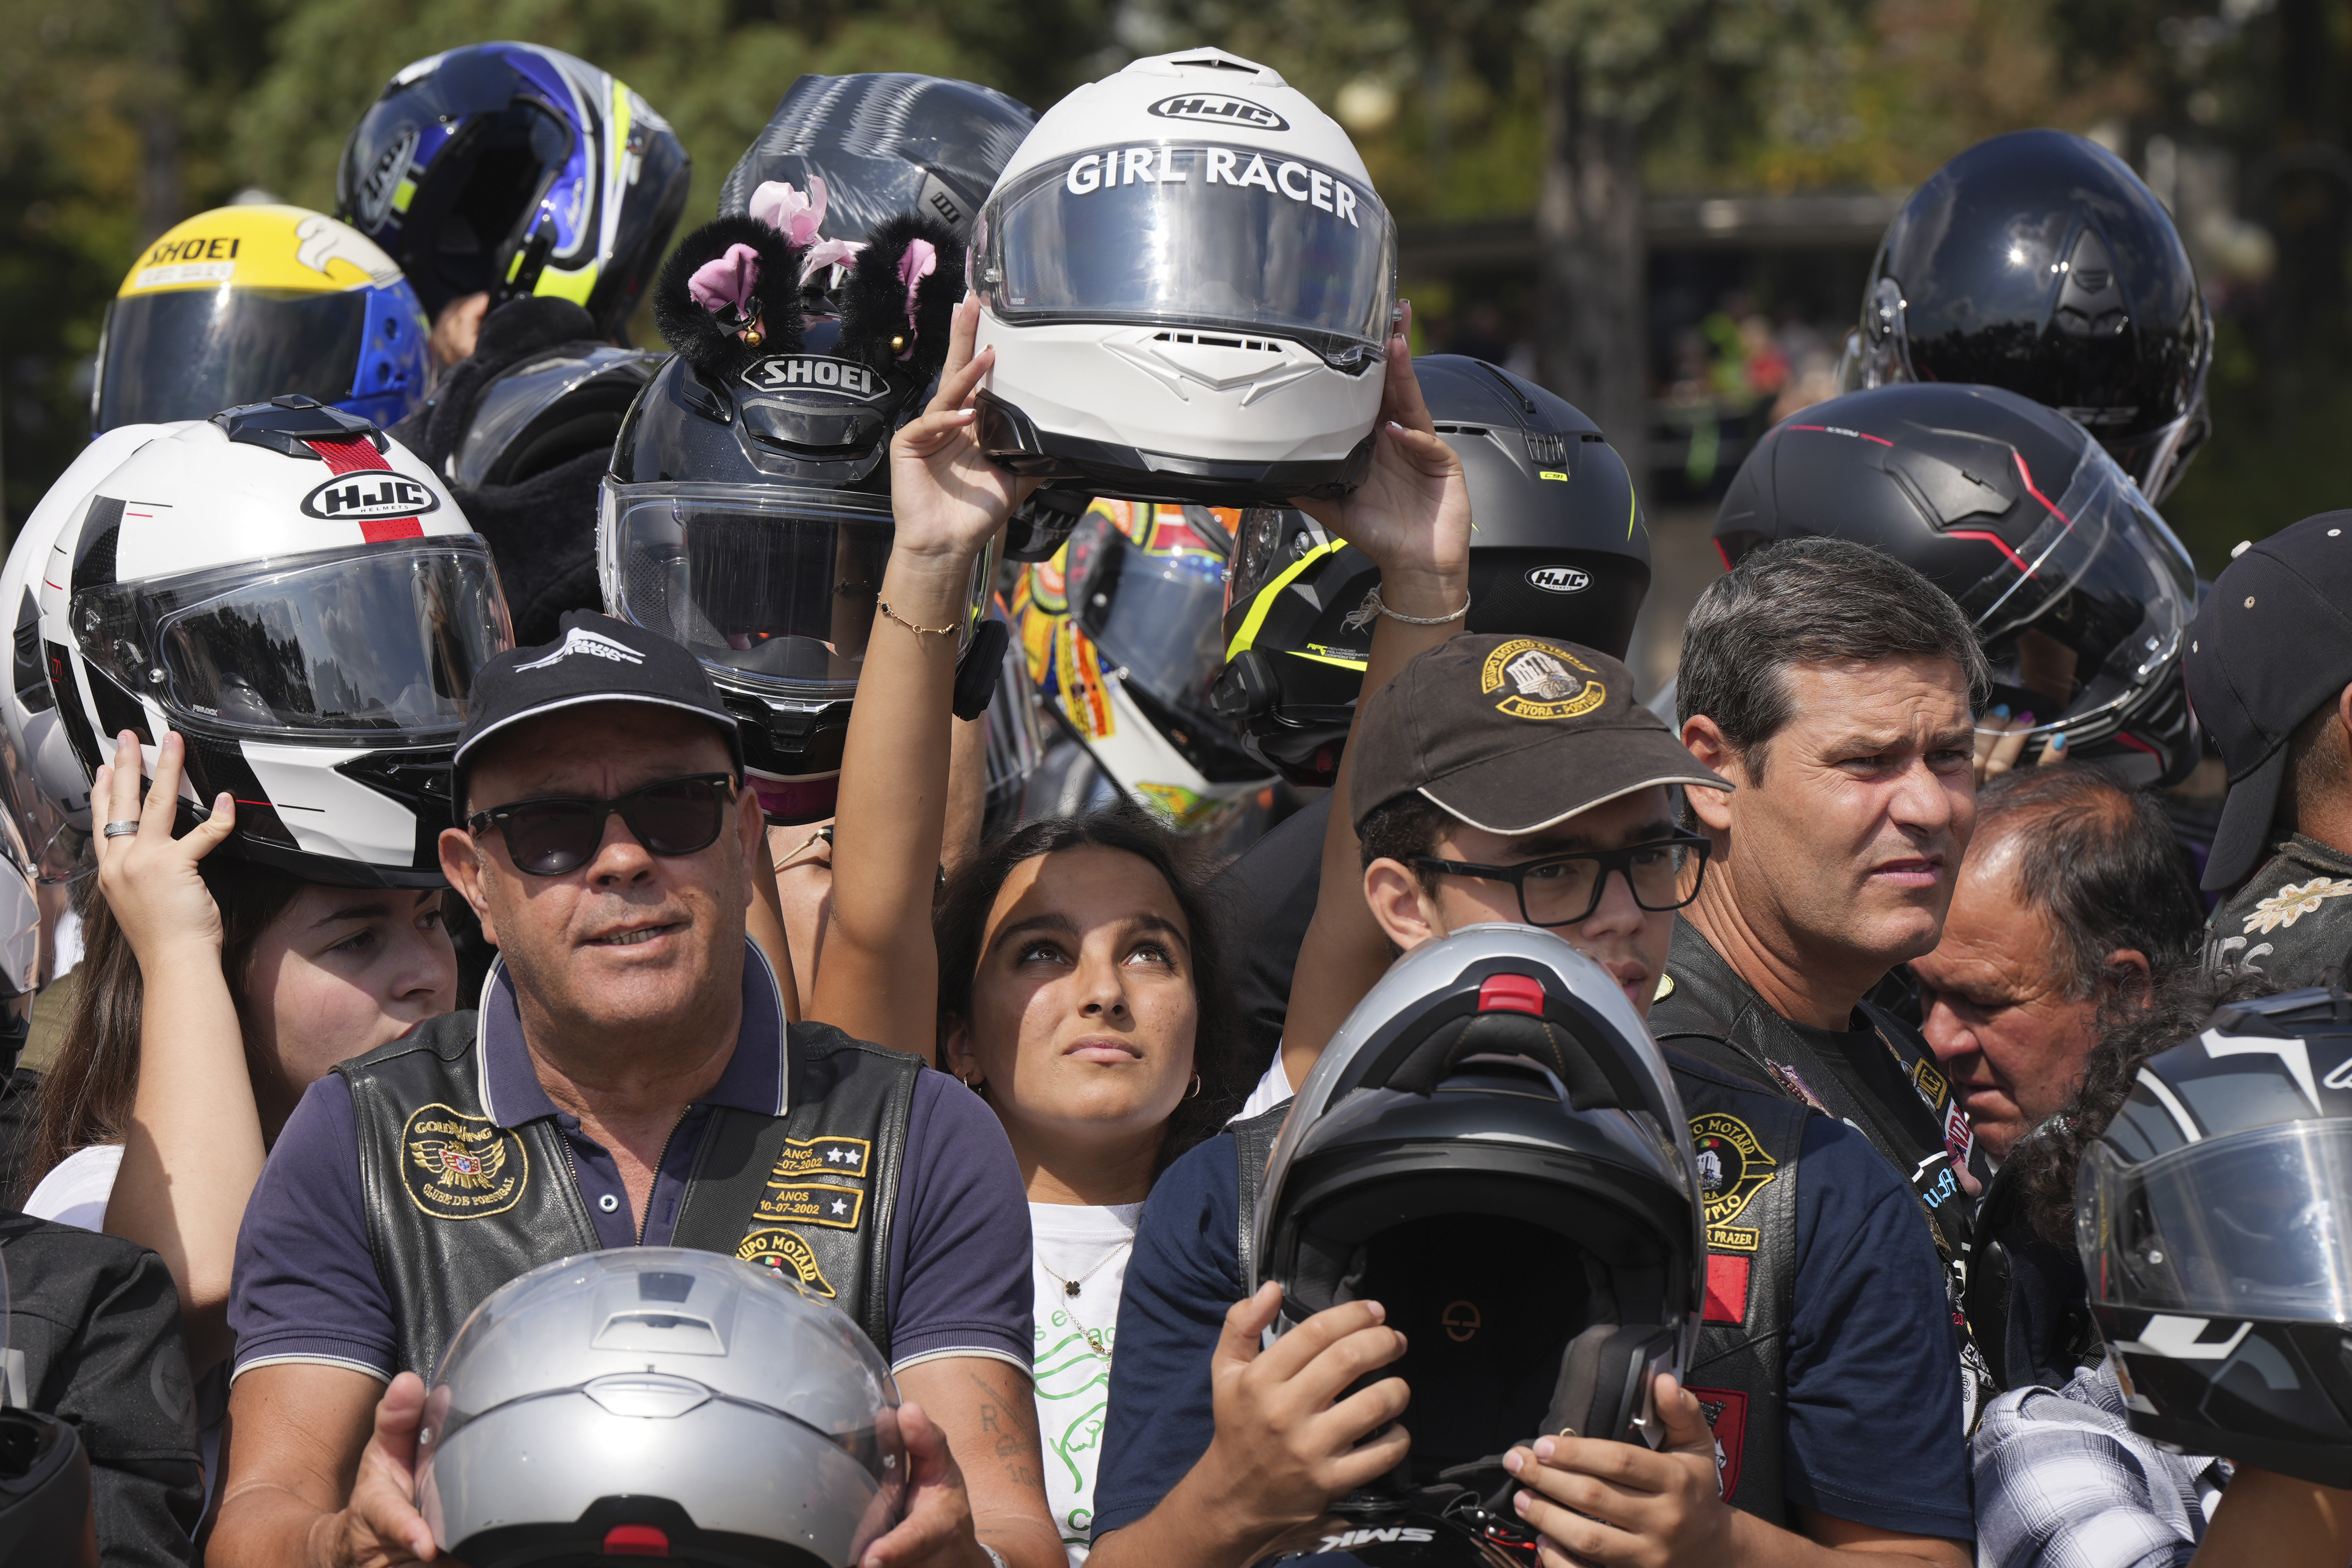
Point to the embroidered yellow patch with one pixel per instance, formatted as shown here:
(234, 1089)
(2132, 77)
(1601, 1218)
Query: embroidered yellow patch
(2293, 901)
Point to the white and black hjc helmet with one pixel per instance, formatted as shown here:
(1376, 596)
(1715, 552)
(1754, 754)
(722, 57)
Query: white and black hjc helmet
(1189, 281)
(2214, 1218)
(659, 1402)
(300, 597)
(1491, 1147)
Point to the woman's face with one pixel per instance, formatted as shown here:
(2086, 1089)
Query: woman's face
(1083, 1012)
(340, 971)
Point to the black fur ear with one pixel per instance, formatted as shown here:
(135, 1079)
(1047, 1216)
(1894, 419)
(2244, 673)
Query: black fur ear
(874, 301)
(706, 342)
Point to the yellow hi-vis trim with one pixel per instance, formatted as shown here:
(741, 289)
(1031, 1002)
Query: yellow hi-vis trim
(1633, 506)
(574, 286)
(1246, 637)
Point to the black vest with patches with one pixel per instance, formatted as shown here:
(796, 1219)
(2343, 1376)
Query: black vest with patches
(1747, 1143)
(458, 1205)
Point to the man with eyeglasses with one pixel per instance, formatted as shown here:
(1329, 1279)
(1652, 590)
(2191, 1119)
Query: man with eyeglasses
(629, 1081)
(1501, 778)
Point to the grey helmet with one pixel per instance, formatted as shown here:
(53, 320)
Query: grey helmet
(657, 1401)
(2214, 1219)
(1491, 1146)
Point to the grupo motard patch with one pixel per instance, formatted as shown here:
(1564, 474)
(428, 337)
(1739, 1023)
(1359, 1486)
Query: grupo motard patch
(1732, 1169)
(786, 1253)
(1302, 183)
(460, 1166)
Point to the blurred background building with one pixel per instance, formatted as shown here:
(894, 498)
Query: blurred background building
(1664, 209)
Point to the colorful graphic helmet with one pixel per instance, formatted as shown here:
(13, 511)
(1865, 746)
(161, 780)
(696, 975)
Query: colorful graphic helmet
(2039, 262)
(2214, 1219)
(1559, 550)
(1121, 628)
(2079, 593)
(1492, 1148)
(243, 303)
(659, 1402)
(298, 596)
(1188, 280)
(516, 170)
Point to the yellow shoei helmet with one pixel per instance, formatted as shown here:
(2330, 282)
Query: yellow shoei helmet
(242, 304)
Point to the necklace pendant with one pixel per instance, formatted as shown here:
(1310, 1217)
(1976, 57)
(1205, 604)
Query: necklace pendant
(1070, 1287)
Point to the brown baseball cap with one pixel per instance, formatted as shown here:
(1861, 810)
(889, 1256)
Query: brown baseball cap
(1512, 734)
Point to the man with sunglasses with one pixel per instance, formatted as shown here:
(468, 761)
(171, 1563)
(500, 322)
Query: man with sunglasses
(1501, 778)
(629, 1081)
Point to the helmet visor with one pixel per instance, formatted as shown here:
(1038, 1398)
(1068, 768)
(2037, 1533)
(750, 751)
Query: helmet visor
(1197, 236)
(384, 640)
(2253, 1225)
(2091, 609)
(773, 587)
(190, 352)
(1156, 610)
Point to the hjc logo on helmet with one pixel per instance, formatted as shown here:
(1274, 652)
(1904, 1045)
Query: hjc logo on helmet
(353, 497)
(1215, 106)
(1558, 579)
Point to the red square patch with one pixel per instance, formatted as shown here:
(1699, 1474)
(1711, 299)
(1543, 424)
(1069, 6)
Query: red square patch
(1726, 1289)
(1726, 1411)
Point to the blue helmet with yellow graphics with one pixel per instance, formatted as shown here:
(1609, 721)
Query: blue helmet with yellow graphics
(516, 170)
(1559, 549)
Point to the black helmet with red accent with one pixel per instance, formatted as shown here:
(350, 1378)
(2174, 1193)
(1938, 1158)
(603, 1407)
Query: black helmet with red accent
(2079, 592)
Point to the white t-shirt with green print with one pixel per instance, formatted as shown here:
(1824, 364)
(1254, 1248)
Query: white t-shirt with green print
(1074, 1339)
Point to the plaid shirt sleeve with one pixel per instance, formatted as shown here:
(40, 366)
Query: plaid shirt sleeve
(2061, 1481)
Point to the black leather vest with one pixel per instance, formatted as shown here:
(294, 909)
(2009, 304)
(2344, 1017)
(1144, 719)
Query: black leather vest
(458, 1205)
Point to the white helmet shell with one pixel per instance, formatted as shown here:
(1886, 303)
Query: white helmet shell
(303, 600)
(1187, 279)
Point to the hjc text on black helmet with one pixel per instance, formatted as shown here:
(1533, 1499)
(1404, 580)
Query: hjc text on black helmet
(1560, 550)
(2079, 593)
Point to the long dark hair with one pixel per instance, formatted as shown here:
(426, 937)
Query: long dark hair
(959, 924)
(85, 1094)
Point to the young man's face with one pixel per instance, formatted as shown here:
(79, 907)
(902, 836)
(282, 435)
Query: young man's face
(1626, 940)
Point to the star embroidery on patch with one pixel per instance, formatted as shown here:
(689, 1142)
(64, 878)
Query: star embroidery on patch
(839, 1207)
(834, 1155)
(2293, 901)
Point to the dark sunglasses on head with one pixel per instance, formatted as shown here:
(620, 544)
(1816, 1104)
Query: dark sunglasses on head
(668, 816)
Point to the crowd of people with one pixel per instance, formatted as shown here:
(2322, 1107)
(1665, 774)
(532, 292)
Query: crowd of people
(557, 1021)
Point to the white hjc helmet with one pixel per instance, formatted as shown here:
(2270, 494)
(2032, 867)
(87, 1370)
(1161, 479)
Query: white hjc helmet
(302, 600)
(1187, 281)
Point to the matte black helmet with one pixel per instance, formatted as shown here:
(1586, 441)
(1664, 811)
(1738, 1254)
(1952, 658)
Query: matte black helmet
(2038, 261)
(1491, 1147)
(1560, 550)
(2214, 1218)
(2079, 592)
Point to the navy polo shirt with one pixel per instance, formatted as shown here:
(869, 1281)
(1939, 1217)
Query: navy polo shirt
(306, 1286)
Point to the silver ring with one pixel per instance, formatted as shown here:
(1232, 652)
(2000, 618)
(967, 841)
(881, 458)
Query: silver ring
(118, 829)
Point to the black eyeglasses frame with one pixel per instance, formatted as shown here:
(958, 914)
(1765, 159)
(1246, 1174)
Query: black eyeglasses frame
(1619, 862)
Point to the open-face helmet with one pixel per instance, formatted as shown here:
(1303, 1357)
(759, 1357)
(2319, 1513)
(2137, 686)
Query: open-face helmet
(1121, 631)
(1189, 283)
(1491, 1147)
(242, 303)
(659, 1402)
(299, 597)
(515, 170)
(2039, 262)
(1560, 550)
(2214, 1218)
(2079, 593)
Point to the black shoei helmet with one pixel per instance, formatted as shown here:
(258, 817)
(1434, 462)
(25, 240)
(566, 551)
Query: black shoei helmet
(1491, 1147)
(1560, 550)
(2079, 592)
(2212, 1216)
(2039, 262)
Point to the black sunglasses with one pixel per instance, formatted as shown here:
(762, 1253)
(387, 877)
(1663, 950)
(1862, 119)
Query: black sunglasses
(668, 816)
(1563, 889)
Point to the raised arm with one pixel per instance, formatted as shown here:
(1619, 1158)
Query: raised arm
(880, 979)
(1412, 516)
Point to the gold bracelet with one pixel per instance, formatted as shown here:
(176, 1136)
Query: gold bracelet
(946, 631)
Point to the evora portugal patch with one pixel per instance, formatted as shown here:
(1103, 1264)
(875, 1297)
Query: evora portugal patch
(461, 1166)
(1540, 680)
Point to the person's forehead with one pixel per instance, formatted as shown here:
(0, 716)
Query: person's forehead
(1992, 934)
(590, 743)
(1904, 695)
(1087, 884)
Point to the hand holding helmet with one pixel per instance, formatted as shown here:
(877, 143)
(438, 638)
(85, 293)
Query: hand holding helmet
(150, 878)
(1588, 1495)
(946, 496)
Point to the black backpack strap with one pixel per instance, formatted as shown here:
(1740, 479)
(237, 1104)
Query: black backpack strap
(1253, 1146)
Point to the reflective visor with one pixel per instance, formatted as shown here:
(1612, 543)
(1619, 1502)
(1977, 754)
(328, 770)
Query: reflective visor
(1157, 612)
(767, 583)
(2253, 1225)
(1198, 235)
(382, 640)
(187, 353)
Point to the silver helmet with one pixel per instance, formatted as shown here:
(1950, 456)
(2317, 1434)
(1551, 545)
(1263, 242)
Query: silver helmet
(657, 1401)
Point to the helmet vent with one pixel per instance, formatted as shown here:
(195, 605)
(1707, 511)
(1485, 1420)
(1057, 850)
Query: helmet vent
(1511, 994)
(1251, 344)
(1546, 448)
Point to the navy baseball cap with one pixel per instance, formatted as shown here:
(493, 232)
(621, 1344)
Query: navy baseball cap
(597, 659)
(2270, 645)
